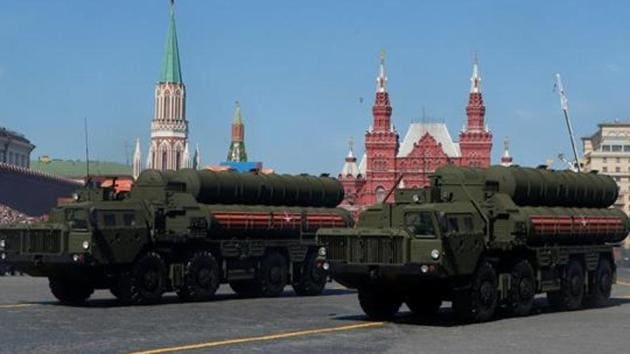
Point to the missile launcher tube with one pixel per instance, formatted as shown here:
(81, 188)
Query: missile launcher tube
(575, 226)
(229, 187)
(541, 187)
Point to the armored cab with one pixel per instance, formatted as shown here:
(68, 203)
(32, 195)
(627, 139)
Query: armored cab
(185, 231)
(484, 238)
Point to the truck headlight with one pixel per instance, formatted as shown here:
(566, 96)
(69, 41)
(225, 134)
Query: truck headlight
(322, 251)
(3, 256)
(3, 243)
(86, 245)
(435, 254)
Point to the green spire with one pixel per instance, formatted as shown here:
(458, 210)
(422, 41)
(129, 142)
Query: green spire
(238, 119)
(171, 70)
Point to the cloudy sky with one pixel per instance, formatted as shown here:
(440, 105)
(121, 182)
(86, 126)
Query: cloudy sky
(300, 69)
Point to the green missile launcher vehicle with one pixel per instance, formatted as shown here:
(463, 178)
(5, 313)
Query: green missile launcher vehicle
(483, 239)
(185, 231)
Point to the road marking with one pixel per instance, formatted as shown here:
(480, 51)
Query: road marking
(623, 283)
(14, 306)
(260, 338)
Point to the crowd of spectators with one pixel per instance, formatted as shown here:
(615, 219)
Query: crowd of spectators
(9, 216)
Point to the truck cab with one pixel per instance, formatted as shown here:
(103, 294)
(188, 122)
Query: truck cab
(483, 239)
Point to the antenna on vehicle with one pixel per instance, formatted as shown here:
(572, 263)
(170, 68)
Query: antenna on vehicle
(87, 152)
(564, 105)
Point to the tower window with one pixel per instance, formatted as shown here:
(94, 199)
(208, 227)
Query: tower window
(164, 160)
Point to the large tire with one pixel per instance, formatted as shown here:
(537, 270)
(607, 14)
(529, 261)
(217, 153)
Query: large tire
(201, 278)
(146, 282)
(378, 305)
(523, 290)
(311, 279)
(571, 293)
(424, 304)
(600, 284)
(70, 291)
(479, 303)
(273, 274)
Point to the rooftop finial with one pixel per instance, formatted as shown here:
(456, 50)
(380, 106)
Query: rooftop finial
(238, 119)
(475, 79)
(381, 80)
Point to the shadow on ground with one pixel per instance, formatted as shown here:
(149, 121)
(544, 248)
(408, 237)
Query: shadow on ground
(446, 318)
(173, 299)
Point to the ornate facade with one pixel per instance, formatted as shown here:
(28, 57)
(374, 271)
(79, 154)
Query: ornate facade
(387, 163)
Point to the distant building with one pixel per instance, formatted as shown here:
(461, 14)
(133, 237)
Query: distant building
(237, 155)
(15, 149)
(77, 169)
(169, 148)
(388, 163)
(608, 151)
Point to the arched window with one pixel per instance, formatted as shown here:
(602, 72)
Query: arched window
(380, 194)
(167, 104)
(164, 160)
(178, 160)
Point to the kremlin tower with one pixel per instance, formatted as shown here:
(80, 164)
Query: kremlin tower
(381, 144)
(236, 152)
(169, 128)
(475, 141)
(169, 149)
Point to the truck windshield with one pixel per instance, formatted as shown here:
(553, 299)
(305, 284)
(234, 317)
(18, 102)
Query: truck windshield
(420, 224)
(77, 218)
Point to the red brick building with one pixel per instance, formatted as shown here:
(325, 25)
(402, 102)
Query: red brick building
(425, 147)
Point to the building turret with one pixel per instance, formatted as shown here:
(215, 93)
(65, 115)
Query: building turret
(350, 167)
(236, 152)
(381, 144)
(169, 128)
(476, 139)
(382, 109)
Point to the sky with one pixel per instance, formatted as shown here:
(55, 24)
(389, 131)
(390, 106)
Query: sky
(300, 68)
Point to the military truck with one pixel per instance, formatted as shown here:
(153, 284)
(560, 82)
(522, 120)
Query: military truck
(185, 231)
(483, 239)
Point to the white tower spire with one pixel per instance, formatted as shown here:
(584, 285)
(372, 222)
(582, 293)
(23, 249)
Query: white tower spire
(196, 164)
(137, 165)
(186, 163)
(506, 159)
(381, 80)
(475, 79)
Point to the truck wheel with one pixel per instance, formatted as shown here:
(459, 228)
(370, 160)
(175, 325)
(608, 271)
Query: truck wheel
(424, 304)
(311, 279)
(478, 303)
(600, 284)
(145, 284)
(70, 291)
(523, 289)
(571, 293)
(201, 278)
(273, 274)
(379, 306)
(245, 288)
